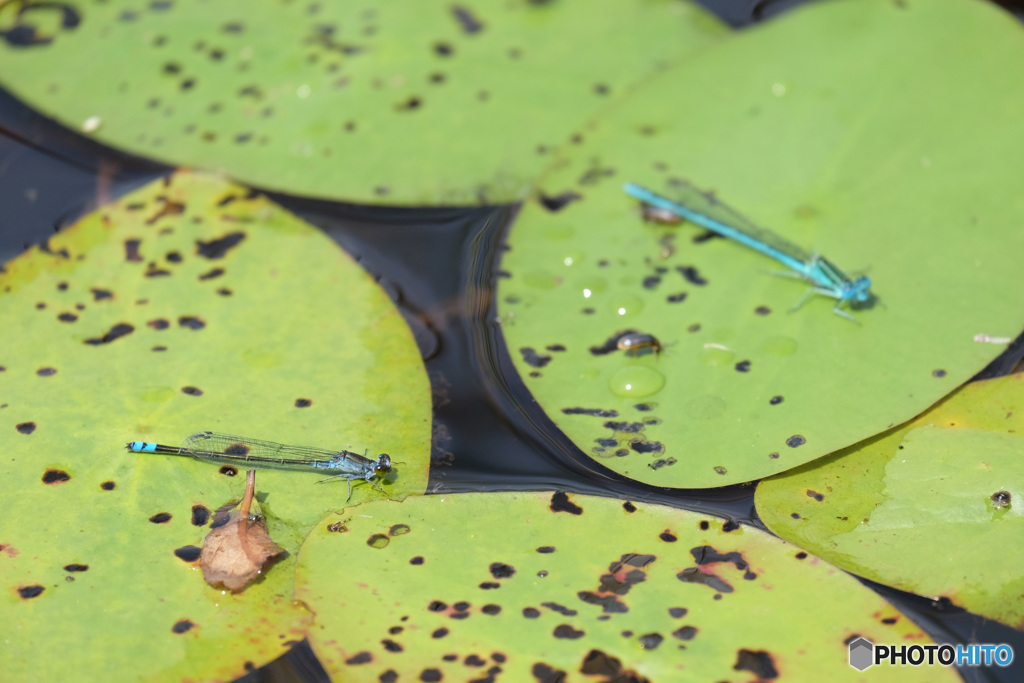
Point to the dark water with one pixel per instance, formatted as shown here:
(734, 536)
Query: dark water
(438, 266)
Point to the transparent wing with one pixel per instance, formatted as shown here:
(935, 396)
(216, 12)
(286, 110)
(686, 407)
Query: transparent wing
(706, 203)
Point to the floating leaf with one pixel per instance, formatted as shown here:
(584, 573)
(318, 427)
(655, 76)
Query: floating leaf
(946, 485)
(235, 554)
(837, 139)
(398, 103)
(189, 304)
(446, 588)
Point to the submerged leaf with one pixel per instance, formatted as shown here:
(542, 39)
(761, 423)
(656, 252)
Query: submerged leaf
(946, 486)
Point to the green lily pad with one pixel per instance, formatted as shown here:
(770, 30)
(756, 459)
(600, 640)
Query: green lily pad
(189, 304)
(446, 588)
(398, 103)
(841, 140)
(946, 485)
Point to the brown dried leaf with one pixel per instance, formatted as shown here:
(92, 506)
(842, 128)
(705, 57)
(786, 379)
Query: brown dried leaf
(234, 555)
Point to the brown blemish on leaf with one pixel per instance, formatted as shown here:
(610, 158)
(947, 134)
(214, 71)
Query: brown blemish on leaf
(235, 554)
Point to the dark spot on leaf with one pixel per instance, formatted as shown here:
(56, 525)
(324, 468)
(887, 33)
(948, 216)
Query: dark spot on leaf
(773, 456)
(815, 495)
(55, 477)
(795, 515)
(890, 620)
(600, 663)
(695, 575)
(115, 332)
(730, 526)
(546, 674)
(399, 530)
(775, 400)
(192, 391)
(561, 609)
(363, 657)
(801, 555)
(546, 549)
(437, 606)
(677, 612)
(676, 298)
(391, 646)
(200, 515)
(531, 612)
(647, 447)
(101, 294)
(650, 641)
(28, 592)
(704, 525)
(431, 675)
(108, 486)
(443, 49)
(533, 359)
(188, 553)
(501, 571)
(555, 347)
(418, 560)
(489, 585)
(685, 633)
(558, 202)
(491, 609)
(560, 503)
(592, 412)
(191, 322)
(303, 403)
(668, 536)
(743, 366)
(158, 324)
(568, 632)
(160, 518)
(762, 310)
(938, 373)
(182, 626)
(692, 275)
(378, 541)
(440, 633)
(795, 440)
(469, 23)
(25, 427)
(720, 470)
(218, 248)
(211, 274)
(610, 604)
(759, 663)
(76, 568)
(650, 282)
(661, 462)
(622, 426)
(67, 317)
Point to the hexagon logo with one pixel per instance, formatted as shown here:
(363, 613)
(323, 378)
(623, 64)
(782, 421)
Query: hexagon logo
(862, 653)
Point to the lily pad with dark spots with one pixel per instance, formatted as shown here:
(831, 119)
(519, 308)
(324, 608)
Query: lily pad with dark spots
(514, 586)
(839, 140)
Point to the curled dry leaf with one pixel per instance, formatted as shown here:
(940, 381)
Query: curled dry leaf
(234, 554)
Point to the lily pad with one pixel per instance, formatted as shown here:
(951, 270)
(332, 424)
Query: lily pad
(946, 485)
(421, 103)
(191, 303)
(446, 588)
(831, 127)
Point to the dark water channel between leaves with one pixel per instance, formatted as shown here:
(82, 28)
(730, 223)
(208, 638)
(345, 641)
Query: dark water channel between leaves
(440, 267)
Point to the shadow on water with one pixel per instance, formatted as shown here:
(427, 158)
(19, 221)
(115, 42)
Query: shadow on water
(440, 267)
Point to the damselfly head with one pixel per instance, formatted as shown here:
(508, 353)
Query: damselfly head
(383, 465)
(861, 290)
